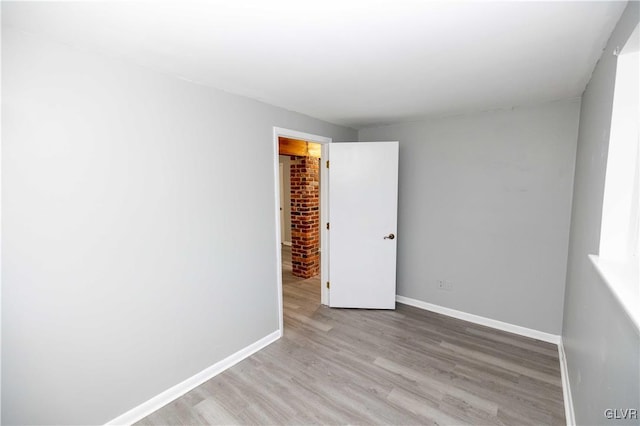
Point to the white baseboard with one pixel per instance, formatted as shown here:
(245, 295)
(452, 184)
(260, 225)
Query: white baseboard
(162, 399)
(477, 319)
(569, 414)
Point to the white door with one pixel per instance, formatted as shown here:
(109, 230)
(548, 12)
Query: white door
(363, 207)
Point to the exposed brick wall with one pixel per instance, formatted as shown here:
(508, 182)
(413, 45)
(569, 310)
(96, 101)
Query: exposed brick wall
(305, 216)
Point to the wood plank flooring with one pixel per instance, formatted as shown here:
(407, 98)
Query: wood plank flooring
(402, 367)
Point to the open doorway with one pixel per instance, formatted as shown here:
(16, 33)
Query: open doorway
(300, 205)
(300, 212)
(300, 222)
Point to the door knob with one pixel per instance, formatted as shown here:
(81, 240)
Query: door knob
(389, 237)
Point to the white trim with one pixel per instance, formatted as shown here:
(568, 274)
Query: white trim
(324, 232)
(162, 399)
(477, 319)
(295, 134)
(1, 286)
(569, 414)
(281, 187)
(276, 178)
(622, 281)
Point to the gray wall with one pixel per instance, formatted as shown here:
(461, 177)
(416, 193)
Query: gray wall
(485, 202)
(601, 344)
(138, 230)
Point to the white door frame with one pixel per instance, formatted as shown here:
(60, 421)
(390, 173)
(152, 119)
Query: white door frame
(281, 193)
(324, 265)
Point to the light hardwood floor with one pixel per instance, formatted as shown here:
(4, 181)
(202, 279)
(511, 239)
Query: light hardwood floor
(402, 367)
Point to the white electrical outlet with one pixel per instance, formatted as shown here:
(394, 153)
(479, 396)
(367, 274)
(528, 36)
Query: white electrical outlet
(444, 285)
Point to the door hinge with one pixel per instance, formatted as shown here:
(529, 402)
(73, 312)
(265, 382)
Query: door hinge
(327, 164)
(328, 285)
(327, 225)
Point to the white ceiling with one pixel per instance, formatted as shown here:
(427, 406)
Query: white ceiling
(351, 62)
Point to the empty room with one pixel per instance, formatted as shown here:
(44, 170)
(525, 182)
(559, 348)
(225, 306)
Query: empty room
(339, 212)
